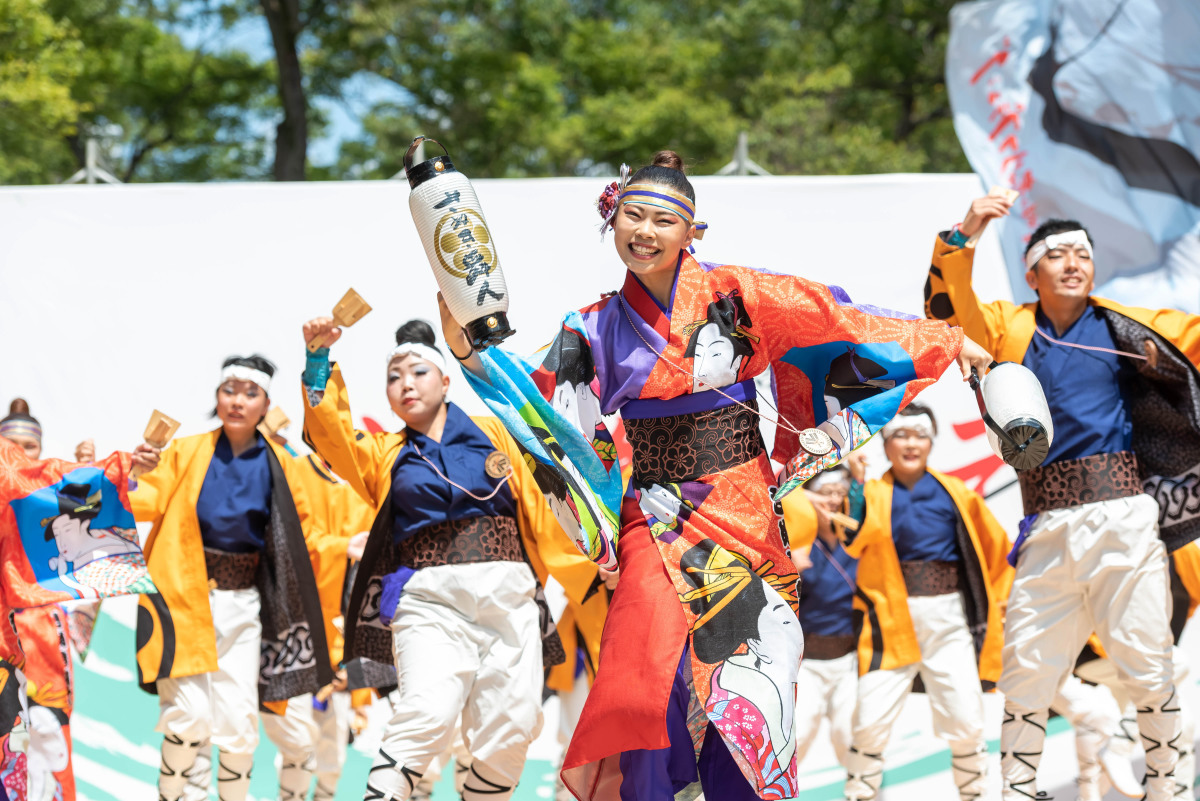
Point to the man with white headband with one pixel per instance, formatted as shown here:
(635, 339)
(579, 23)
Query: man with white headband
(1113, 493)
(932, 578)
(827, 683)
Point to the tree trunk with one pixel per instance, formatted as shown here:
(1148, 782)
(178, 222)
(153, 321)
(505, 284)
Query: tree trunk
(291, 135)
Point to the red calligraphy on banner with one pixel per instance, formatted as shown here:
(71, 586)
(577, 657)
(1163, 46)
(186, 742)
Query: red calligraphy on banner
(1007, 117)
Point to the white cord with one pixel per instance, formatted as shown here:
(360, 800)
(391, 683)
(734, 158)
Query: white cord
(1089, 347)
(442, 476)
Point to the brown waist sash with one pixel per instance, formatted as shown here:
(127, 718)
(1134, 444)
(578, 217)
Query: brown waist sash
(685, 447)
(462, 542)
(231, 571)
(821, 646)
(1074, 482)
(930, 578)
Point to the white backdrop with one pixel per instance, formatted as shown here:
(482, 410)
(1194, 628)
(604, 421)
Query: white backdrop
(119, 300)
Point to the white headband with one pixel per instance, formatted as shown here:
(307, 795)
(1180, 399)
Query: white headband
(827, 477)
(421, 351)
(920, 423)
(240, 372)
(1075, 238)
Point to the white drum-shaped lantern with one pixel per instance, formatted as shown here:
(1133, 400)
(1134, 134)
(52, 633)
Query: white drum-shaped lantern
(1012, 397)
(459, 246)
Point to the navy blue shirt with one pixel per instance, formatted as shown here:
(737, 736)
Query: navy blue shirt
(234, 506)
(826, 597)
(1085, 390)
(924, 522)
(420, 497)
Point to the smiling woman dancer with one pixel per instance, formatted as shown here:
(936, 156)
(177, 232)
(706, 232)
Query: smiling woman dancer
(238, 621)
(444, 587)
(700, 653)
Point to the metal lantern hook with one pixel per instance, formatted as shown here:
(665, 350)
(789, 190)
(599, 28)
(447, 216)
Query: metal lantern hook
(412, 149)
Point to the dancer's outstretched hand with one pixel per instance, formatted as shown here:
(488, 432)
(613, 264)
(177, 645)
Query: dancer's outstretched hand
(146, 457)
(323, 328)
(856, 462)
(458, 342)
(85, 451)
(973, 355)
(983, 210)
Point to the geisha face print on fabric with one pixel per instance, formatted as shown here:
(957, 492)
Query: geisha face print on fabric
(701, 477)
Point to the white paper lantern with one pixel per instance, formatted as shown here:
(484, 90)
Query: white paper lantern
(459, 246)
(1011, 400)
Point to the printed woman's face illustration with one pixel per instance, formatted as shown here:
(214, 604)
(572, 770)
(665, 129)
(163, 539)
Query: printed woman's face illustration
(657, 500)
(561, 508)
(779, 643)
(72, 537)
(579, 405)
(715, 364)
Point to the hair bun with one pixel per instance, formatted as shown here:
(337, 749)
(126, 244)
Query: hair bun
(416, 331)
(669, 159)
(18, 406)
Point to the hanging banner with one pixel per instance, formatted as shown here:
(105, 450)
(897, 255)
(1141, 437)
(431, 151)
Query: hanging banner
(1091, 110)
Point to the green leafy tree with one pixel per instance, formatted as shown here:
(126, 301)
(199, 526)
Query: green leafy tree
(71, 69)
(184, 113)
(546, 87)
(39, 60)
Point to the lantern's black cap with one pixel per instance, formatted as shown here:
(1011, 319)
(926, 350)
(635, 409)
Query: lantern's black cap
(491, 329)
(418, 174)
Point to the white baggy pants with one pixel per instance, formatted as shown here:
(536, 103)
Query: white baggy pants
(221, 706)
(1104, 674)
(467, 642)
(950, 672)
(295, 734)
(570, 710)
(826, 688)
(291, 736)
(1097, 567)
(333, 737)
(1093, 713)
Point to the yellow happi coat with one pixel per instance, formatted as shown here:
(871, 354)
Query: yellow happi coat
(175, 629)
(800, 522)
(1164, 402)
(1187, 565)
(887, 639)
(337, 514)
(579, 626)
(365, 461)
